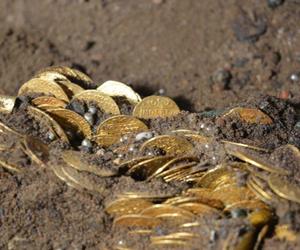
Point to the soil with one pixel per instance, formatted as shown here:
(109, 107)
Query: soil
(209, 56)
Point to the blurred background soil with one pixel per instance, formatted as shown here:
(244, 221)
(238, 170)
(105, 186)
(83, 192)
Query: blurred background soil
(205, 54)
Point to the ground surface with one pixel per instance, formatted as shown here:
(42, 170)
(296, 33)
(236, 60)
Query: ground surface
(207, 54)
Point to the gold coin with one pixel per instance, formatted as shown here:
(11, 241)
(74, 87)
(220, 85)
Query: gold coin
(245, 145)
(199, 197)
(36, 150)
(254, 160)
(169, 243)
(7, 103)
(171, 145)
(83, 180)
(285, 188)
(114, 88)
(217, 177)
(70, 88)
(133, 220)
(250, 115)
(75, 159)
(174, 219)
(260, 217)
(158, 209)
(177, 235)
(156, 106)
(147, 196)
(127, 206)
(159, 172)
(45, 87)
(232, 194)
(48, 102)
(200, 209)
(73, 75)
(58, 171)
(103, 102)
(69, 120)
(260, 193)
(185, 167)
(9, 166)
(144, 169)
(48, 121)
(247, 204)
(111, 130)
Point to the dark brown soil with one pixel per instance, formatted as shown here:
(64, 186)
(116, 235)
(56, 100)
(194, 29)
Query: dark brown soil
(206, 55)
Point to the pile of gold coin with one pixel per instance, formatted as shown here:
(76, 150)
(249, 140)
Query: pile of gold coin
(90, 121)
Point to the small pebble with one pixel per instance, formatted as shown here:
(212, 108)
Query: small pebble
(161, 91)
(131, 148)
(143, 135)
(100, 152)
(202, 125)
(124, 138)
(213, 235)
(275, 3)
(89, 117)
(86, 143)
(238, 213)
(295, 77)
(120, 155)
(77, 107)
(221, 78)
(92, 110)
(51, 136)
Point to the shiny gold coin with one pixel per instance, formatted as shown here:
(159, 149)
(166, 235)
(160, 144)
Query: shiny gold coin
(36, 150)
(158, 209)
(259, 192)
(48, 102)
(103, 102)
(69, 120)
(247, 204)
(134, 220)
(84, 181)
(245, 145)
(7, 104)
(155, 106)
(4, 129)
(200, 209)
(169, 243)
(174, 219)
(144, 169)
(10, 167)
(44, 87)
(57, 170)
(254, 160)
(48, 121)
(285, 188)
(171, 145)
(260, 217)
(127, 206)
(217, 177)
(147, 196)
(111, 130)
(178, 171)
(70, 88)
(177, 235)
(232, 194)
(159, 172)
(250, 115)
(73, 75)
(74, 159)
(141, 232)
(114, 88)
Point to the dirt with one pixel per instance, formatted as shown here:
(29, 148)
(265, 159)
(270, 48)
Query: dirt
(209, 56)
